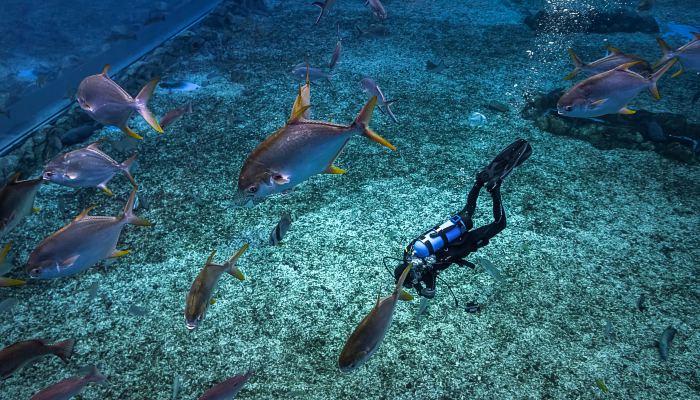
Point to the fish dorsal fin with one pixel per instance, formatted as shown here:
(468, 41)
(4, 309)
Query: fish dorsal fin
(614, 50)
(627, 66)
(297, 104)
(211, 257)
(105, 70)
(298, 114)
(84, 213)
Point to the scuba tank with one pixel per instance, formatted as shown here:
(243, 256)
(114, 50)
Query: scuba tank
(437, 238)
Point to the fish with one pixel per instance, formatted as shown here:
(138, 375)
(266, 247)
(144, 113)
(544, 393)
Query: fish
(655, 132)
(608, 92)
(377, 8)
(92, 291)
(8, 304)
(369, 334)
(300, 149)
(601, 385)
(280, 229)
(70, 387)
(372, 89)
(645, 5)
(177, 384)
(107, 103)
(17, 201)
(179, 86)
(87, 167)
(336, 52)
(664, 343)
(640, 303)
(173, 115)
(5, 267)
(78, 134)
(373, 31)
(137, 311)
(82, 243)
(436, 68)
(199, 297)
(612, 60)
(324, 6)
(304, 71)
(227, 389)
(490, 268)
(688, 55)
(17, 355)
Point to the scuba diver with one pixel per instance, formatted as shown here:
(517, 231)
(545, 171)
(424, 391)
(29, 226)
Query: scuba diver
(451, 242)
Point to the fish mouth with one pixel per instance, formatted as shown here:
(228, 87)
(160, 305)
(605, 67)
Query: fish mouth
(190, 325)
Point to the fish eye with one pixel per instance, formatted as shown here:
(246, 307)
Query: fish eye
(252, 189)
(34, 272)
(568, 108)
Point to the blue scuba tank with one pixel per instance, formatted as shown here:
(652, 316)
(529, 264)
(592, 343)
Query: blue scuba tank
(434, 240)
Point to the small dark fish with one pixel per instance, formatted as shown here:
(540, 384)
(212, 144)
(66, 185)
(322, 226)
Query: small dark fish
(92, 291)
(173, 115)
(18, 355)
(16, 201)
(324, 6)
(155, 16)
(645, 5)
(121, 32)
(179, 86)
(303, 70)
(490, 268)
(137, 311)
(655, 132)
(377, 8)
(436, 68)
(81, 244)
(369, 334)
(78, 135)
(87, 167)
(336, 52)
(640, 303)
(199, 298)
(498, 106)
(472, 307)
(70, 387)
(177, 384)
(280, 229)
(373, 31)
(694, 144)
(601, 385)
(373, 90)
(227, 389)
(8, 304)
(664, 344)
(107, 103)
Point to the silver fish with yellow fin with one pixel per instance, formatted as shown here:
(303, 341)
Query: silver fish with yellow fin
(299, 150)
(614, 59)
(369, 334)
(16, 201)
(5, 267)
(199, 297)
(87, 167)
(107, 103)
(688, 55)
(81, 244)
(608, 92)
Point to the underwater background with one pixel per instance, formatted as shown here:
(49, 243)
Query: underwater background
(602, 213)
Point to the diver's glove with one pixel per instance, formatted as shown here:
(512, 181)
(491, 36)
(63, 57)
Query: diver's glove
(512, 156)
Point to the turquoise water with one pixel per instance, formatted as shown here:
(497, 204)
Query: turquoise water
(594, 220)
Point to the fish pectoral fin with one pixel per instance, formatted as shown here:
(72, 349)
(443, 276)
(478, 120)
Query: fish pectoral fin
(627, 66)
(280, 179)
(627, 111)
(236, 273)
(597, 103)
(679, 72)
(405, 296)
(332, 169)
(36, 210)
(212, 301)
(68, 262)
(130, 133)
(120, 253)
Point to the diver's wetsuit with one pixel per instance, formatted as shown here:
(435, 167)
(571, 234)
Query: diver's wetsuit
(426, 270)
